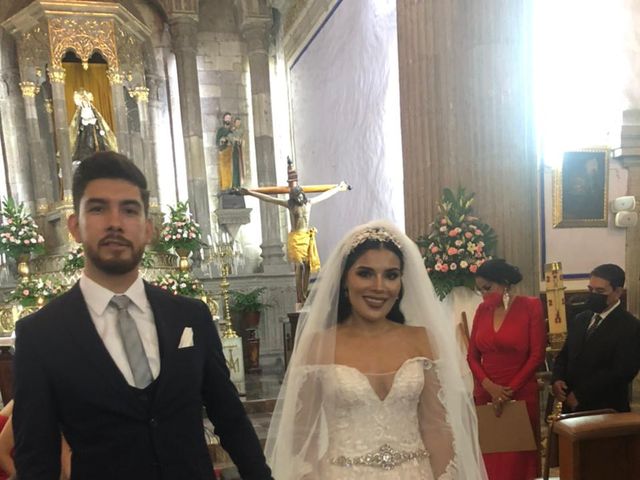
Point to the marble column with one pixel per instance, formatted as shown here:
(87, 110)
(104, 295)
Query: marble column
(629, 156)
(256, 34)
(121, 124)
(466, 111)
(14, 137)
(57, 77)
(184, 43)
(41, 178)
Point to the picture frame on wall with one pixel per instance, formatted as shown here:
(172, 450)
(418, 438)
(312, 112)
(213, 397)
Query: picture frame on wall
(580, 189)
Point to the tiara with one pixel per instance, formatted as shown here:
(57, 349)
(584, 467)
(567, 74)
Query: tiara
(378, 234)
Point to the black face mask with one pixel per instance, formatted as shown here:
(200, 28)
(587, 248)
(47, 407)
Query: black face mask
(596, 302)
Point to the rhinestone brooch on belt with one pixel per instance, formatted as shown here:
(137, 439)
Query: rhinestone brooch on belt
(386, 458)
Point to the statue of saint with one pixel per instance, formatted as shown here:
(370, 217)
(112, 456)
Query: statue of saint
(88, 131)
(229, 142)
(301, 243)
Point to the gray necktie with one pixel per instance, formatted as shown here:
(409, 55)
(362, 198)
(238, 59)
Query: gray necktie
(132, 343)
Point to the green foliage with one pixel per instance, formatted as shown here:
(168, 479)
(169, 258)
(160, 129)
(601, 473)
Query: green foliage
(19, 233)
(458, 243)
(180, 232)
(242, 302)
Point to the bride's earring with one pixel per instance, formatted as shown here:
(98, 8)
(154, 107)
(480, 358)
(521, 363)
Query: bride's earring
(505, 298)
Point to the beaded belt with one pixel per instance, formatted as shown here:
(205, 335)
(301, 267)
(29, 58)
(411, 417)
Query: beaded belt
(386, 458)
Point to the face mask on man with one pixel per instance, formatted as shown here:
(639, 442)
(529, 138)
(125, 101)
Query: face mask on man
(597, 302)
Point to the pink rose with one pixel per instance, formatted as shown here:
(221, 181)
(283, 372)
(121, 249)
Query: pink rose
(443, 221)
(478, 231)
(473, 268)
(468, 235)
(453, 233)
(434, 249)
(452, 251)
(25, 292)
(444, 267)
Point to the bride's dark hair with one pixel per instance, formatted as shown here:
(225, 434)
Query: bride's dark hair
(344, 305)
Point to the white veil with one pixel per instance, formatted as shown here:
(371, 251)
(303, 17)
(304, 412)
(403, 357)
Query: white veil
(297, 437)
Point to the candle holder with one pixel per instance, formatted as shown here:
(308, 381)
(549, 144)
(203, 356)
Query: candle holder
(223, 252)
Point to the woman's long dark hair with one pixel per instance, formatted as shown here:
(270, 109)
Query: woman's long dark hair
(344, 305)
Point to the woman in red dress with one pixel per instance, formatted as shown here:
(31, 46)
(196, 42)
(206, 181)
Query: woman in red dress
(506, 347)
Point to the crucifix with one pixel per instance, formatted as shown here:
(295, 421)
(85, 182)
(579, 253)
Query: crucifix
(301, 243)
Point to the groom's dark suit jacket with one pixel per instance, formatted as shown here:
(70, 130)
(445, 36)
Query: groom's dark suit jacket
(598, 368)
(66, 380)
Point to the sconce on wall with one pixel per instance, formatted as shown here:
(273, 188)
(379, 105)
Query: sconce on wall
(624, 208)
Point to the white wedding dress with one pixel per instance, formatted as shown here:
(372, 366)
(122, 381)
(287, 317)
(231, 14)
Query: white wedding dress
(381, 424)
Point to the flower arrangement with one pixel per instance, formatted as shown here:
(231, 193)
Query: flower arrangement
(180, 283)
(35, 291)
(458, 243)
(19, 233)
(75, 260)
(180, 232)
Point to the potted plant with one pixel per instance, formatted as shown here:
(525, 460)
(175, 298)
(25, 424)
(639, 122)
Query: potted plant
(248, 306)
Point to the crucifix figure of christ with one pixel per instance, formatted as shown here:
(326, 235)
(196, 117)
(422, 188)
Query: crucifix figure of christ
(301, 243)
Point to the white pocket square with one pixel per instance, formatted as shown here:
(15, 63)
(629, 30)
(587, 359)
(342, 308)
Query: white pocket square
(186, 340)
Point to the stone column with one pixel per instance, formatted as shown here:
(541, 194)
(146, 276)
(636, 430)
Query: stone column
(256, 34)
(15, 139)
(41, 178)
(141, 96)
(629, 155)
(121, 125)
(57, 76)
(184, 42)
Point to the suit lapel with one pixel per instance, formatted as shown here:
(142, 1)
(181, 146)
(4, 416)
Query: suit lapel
(84, 333)
(169, 327)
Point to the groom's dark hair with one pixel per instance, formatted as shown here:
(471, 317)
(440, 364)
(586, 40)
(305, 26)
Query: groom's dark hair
(111, 165)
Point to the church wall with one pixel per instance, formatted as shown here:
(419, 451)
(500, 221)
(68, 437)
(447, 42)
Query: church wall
(581, 249)
(346, 117)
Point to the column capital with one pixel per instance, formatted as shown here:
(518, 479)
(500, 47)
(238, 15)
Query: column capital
(114, 77)
(57, 74)
(140, 94)
(184, 33)
(29, 89)
(257, 32)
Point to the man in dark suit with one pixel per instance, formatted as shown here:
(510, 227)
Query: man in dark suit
(601, 354)
(122, 368)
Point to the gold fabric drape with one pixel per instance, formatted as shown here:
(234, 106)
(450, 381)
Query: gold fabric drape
(93, 80)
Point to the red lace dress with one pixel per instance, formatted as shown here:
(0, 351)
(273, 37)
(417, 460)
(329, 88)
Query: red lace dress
(509, 357)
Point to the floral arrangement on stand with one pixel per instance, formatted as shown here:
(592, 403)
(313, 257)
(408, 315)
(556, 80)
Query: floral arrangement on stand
(458, 243)
(36, 291)
(19, 236)
(180, 283)
(180, 232)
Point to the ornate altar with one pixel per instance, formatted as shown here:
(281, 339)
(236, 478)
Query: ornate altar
(56, 39)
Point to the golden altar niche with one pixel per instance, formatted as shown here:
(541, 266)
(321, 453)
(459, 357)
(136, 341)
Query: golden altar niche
(62, 47)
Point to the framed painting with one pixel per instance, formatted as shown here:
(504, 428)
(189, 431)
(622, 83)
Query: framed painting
(580, 189)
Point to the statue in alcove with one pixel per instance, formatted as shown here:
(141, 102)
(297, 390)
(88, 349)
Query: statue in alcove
(88, 131)
(229, 143)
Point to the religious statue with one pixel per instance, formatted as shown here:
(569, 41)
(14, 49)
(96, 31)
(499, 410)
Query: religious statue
(301, 243)
(229, 142)
(88, 131)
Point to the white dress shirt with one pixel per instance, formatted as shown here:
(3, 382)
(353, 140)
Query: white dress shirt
(105, 319)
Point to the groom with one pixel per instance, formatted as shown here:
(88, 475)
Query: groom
(119, 367)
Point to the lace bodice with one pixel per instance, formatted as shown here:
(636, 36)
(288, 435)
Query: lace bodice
(362, 421)
(373, 423)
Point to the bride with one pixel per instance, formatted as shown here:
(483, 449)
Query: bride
(373, 389)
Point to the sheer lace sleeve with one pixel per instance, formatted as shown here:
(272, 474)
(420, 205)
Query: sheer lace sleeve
(435, 426)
